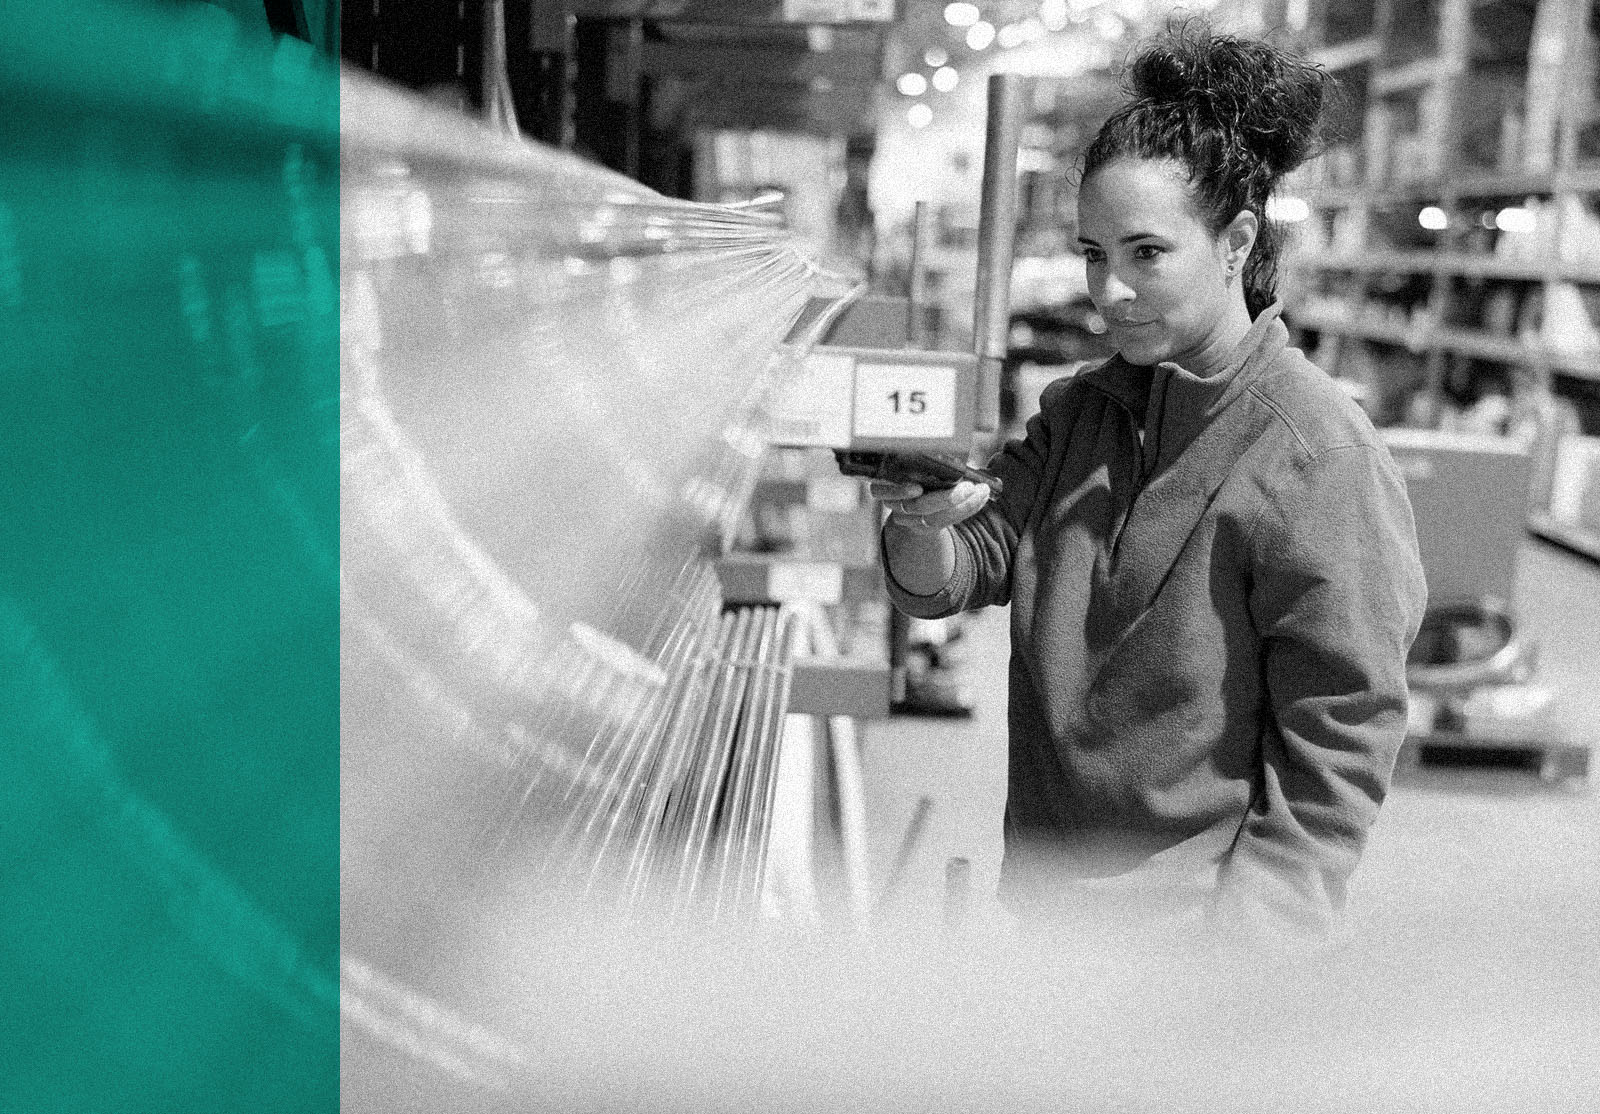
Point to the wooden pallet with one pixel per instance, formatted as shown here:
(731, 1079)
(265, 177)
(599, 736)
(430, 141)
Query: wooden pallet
(1551, 759)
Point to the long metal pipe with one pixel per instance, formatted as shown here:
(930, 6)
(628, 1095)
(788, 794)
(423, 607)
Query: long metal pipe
(916, 317)
(997, 228)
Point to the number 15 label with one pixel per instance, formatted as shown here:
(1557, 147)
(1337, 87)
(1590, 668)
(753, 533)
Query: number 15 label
(905, 400)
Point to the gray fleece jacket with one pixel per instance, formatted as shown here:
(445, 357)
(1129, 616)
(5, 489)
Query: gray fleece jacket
(1213, 585)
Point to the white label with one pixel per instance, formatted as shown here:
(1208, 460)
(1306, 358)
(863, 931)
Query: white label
(813, 407)
(905, 400)
(872, 11)
(805, 582)
(816, 11)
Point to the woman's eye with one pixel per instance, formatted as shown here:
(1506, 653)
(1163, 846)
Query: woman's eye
(1146, 251)
(1094, 255)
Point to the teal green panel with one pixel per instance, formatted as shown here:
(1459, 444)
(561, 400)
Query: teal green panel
(168, 563)
(249, 13)
(322, 23)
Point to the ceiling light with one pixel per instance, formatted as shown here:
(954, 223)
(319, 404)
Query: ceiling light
(962, 14)
(1289, 210)
(945, 78)
(935, 56)
(1433, 218)
(980, 35)
(1516, 219)
(919, 115)
(912, 84)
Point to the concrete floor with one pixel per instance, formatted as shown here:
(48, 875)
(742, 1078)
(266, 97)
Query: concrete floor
(1472, 850)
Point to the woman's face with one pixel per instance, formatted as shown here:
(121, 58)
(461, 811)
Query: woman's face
(1156, 273)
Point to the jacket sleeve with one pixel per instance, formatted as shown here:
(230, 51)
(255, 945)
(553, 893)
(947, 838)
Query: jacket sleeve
(986, 542)
(1337, 597)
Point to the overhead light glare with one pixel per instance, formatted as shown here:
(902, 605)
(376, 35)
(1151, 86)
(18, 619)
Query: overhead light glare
(962, 14)
(912, 84)
(1289, 210)
(945, 78)
(919, 115)
(1433, 218)
(1516, 219)
(935, 56)
(980, 35)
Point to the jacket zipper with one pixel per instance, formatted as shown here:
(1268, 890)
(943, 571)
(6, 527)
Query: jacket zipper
(1142, 473)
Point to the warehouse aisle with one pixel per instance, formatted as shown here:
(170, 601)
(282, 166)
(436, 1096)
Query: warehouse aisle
(1466, 854)
(1452, 848)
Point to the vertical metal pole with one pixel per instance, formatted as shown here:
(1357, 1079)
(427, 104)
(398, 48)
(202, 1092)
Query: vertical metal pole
(852, 817)
(500, 113)
(997, 229)
(552, 32)
(633, 137)
(916, 330)
(957, 891)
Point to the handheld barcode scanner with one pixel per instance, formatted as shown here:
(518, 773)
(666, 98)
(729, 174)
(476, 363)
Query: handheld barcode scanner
(873, 390)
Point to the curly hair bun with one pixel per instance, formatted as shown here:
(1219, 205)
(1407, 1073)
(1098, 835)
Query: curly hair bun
(1268, 98)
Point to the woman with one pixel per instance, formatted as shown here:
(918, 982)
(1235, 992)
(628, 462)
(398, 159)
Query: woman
(1208, 552)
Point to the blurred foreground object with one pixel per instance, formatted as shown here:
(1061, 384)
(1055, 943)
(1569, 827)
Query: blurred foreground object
(169, 563)
(1471, 668)
(553, 408)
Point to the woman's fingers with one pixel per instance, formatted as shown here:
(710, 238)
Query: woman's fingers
(938, 509)
(966, 493)
(886, 491)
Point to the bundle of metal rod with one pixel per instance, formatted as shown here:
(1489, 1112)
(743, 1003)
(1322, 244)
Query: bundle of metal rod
(734, 769)
(677, 818)
(552, 411)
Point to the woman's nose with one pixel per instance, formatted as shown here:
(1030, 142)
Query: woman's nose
(1116, 291)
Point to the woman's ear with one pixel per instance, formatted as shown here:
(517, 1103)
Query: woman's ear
(1238, 238)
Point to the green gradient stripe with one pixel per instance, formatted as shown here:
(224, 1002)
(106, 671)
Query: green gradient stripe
(169, 910)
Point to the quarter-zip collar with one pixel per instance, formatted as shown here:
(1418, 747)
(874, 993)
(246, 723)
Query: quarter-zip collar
(1177, 404)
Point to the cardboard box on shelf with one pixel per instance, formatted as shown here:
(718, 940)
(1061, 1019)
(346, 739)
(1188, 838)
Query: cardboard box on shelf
(1575, 482)
(1579, 241)
(1509, 712)
(1570, 315)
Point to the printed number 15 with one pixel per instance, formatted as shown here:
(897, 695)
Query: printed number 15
(915, 402)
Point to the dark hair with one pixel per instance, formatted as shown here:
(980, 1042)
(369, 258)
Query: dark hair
(1238, 113)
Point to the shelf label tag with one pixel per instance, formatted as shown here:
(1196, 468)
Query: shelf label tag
(872, 11)
(816, 11)
(813, 406)
(905, 400)
(805, 582)
(838, 11)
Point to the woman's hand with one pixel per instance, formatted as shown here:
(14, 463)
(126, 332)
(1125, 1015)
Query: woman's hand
(929, 512)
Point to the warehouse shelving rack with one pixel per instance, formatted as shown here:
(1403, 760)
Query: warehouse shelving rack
(1469, 107)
